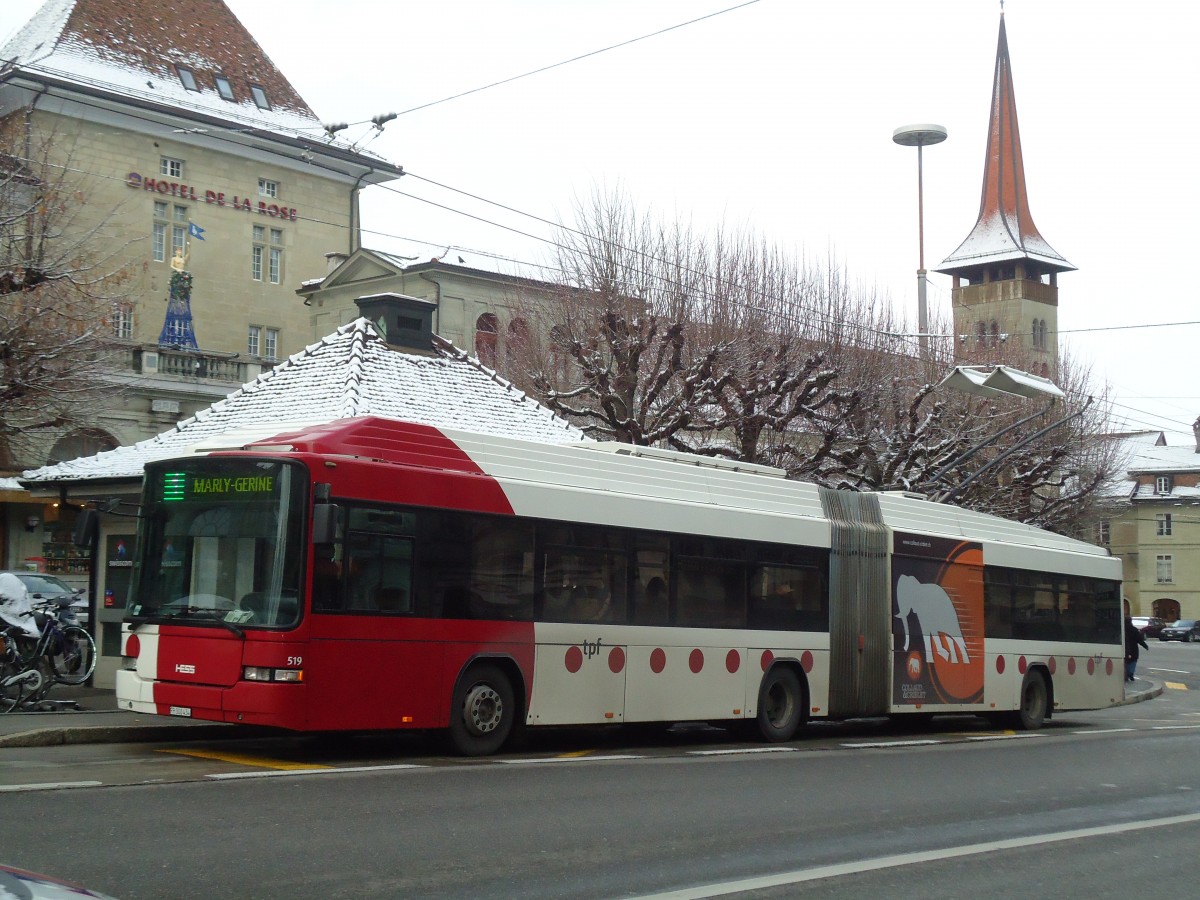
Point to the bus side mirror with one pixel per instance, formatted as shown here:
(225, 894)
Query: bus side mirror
(87, 527)
(325, 522)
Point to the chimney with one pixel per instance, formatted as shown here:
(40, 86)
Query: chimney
(405, 323)
(1196, 432)
(334, 259)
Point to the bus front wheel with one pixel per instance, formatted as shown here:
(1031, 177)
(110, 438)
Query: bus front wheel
(482, 711)
(781, 705)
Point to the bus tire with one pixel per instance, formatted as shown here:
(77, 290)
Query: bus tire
(482, 712)
(1034, 702)
(781, 705)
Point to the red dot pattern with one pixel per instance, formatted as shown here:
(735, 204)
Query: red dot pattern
(658, 661)
(696, 660)
(616, 660)
(733, 661)
(574, 660)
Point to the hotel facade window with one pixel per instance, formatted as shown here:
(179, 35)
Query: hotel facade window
(122, 322)
(158, 237)
(268, 188)
(169, 221)
(172, 168)
(275, 256)
(254, 340)
(270, 343)
(257, 252)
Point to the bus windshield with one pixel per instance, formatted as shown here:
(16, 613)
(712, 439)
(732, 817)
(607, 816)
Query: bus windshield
(220, 541)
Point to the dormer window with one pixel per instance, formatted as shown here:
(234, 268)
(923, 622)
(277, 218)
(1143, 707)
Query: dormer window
(224, 88)
(1162, 484)
(260, 97)
(188, 78)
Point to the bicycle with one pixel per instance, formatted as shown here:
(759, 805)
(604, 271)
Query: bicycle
(62, 653)
(15, 680)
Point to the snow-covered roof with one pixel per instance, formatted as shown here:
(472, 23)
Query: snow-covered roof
(1164, 460)
(352, 372)
(134, 50)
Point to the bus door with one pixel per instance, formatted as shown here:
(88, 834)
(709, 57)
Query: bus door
(860, 635)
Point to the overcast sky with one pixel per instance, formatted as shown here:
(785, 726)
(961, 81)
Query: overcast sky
(777, 116)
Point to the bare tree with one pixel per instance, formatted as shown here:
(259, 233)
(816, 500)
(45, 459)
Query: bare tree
(60, 281)
(729, 347)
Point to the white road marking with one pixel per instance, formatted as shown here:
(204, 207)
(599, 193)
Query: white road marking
(1101, 730)
(49, 786)
(876, 744)
(1005, 737)
(1174, 727)
(278, 773)
(741, 750)
(908, 859)
(570, 759)
(1176, 671)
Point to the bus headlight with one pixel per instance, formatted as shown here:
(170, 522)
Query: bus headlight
(262, 673)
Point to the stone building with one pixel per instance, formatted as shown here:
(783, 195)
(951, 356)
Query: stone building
(1005, 274)
(184, 142)
(1152, 522)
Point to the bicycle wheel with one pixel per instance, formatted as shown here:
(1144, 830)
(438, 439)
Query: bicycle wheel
(10, 694)
(75, 659)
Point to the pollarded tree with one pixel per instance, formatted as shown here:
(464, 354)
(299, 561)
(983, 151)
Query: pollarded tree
(727, 347)
(59, 287)
(612, 344)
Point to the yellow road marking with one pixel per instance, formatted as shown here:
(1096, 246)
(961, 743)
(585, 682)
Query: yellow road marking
(1175, 685)
(575, 754)
(242, 759)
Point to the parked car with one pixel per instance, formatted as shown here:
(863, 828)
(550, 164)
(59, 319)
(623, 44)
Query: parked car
(23, 884)
(1149, 626)
(1181, 630)
(50, 587)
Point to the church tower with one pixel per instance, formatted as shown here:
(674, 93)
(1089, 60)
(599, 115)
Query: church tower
(1005, 274)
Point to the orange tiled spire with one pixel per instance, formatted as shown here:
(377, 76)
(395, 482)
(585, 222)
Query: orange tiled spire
(1005, 230)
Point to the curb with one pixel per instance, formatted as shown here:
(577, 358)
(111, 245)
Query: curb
(1153, 691)
(119, 734)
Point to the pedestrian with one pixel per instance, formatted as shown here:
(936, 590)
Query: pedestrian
(1133, 637)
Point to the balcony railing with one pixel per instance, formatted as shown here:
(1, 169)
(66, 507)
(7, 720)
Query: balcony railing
(196, 365)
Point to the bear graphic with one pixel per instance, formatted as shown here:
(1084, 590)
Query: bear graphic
(939, 620)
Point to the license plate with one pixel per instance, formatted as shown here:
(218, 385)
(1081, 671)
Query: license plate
(181, 711)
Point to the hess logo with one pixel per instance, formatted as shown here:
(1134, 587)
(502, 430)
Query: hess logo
(185, 669)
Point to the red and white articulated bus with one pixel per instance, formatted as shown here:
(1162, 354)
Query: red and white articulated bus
(376, 574)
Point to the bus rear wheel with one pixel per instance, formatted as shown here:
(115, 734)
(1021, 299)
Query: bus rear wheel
(1035, 702)
(781, 705)
(482, 712)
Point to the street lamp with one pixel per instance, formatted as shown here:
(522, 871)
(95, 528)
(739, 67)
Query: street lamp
(920, 136)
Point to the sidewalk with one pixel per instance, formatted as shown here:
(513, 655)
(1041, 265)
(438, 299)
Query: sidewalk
(94, 719)
(98, 721)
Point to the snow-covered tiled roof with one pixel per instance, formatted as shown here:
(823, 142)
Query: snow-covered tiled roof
(1164, 460)
(352, 372)
(133, 48)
